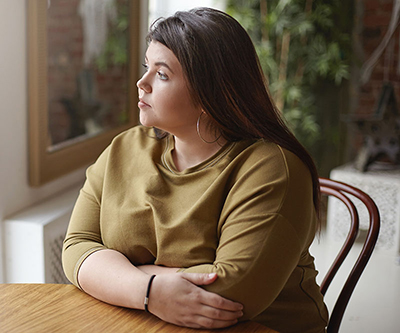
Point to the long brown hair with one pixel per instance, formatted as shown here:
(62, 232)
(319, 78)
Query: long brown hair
(225, 78)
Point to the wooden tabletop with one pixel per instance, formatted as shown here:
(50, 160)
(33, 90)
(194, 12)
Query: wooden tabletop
(41, 308)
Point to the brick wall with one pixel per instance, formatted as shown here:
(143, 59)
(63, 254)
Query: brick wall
(371, 22)
(376, 15)
(67, 114)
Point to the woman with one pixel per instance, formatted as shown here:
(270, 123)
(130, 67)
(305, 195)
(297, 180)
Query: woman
(206, 211)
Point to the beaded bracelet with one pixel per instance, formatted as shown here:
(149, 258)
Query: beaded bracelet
(146, 299)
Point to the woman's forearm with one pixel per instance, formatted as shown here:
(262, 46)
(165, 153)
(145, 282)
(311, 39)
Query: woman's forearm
(176, 298)
(110, 277)
(157, 270)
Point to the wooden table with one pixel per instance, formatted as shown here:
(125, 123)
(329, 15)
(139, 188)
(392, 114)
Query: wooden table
(63, 308)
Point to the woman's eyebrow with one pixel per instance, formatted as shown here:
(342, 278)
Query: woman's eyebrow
(161, 63)
(164, 64)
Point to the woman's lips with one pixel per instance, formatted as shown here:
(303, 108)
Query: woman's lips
(142, 105)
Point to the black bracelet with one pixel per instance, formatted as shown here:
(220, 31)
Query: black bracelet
(146, 299)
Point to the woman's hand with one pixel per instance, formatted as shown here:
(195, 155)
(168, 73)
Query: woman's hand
(176, 298)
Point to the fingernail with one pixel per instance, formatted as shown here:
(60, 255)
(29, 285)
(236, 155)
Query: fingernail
(212, 275)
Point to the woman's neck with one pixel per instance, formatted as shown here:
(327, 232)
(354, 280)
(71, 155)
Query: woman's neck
(192, 151)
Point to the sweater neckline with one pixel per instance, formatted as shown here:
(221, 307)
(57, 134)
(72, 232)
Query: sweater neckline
(169, 164)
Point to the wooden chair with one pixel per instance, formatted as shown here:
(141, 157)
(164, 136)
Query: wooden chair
(342, 191)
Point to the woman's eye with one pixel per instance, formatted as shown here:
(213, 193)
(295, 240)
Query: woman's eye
(162, 76)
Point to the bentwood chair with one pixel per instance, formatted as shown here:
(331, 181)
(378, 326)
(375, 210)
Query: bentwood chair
(342, 191)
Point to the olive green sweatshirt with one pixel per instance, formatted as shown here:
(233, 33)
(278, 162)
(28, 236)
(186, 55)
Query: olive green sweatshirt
(246, 214)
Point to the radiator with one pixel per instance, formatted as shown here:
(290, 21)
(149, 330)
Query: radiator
(33, 241)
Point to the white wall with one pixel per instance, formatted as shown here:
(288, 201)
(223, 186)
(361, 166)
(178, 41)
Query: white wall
(15, 192)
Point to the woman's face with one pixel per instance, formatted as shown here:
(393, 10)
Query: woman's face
(164, 99)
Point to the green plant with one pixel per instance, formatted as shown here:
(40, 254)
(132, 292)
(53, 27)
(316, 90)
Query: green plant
(299, 43)
(116, 46)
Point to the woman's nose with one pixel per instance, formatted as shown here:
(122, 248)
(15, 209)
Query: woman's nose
(143, 84)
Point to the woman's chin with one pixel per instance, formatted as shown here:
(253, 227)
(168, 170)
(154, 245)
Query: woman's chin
(145, 121)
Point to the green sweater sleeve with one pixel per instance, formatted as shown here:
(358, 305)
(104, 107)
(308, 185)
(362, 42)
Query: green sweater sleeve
(267, 223)
(253, 264)
(83, 234)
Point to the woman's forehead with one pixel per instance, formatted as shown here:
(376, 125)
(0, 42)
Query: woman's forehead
(157, 52)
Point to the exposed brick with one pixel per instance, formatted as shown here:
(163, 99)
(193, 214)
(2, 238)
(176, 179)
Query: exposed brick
(371, 5)
(387, 7)
(371, 33)
(65, 51)
(377, 20)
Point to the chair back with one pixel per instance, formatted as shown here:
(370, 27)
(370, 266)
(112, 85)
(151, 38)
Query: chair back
(342, 191)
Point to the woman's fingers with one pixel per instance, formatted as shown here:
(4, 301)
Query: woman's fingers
(219, 314)
(178, 299)
(209, 298)
(199, 279)
(219, 302)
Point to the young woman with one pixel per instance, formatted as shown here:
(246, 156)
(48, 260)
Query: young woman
(210, 206)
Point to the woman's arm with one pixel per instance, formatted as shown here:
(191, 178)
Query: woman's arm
(253, 262)
(267, 223)
(109, 276)
(176, 298)
(157, 270)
